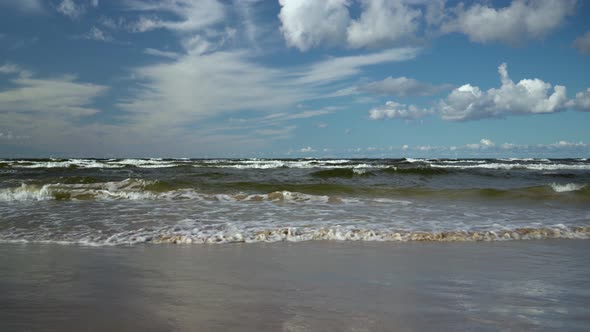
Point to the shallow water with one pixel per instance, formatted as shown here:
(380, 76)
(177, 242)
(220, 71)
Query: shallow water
(130, 201)
(311, 286)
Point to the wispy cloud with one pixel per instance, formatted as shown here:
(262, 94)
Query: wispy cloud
(56, 95)
(338, 68)
(582, 43)
(160, 53)
(71, 9)
(30, 6)
(404, 87)
(98, 34)
(9, 68)
(189, 15)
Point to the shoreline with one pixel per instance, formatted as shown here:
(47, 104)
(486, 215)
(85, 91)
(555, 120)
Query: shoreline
(313, 285)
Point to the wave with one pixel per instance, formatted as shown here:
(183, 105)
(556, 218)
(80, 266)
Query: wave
(560, 188)
(503, 164)
(89, 188)
(415, 170)
(517, 166)
(133, 189)
(207, 235)
(346, 173)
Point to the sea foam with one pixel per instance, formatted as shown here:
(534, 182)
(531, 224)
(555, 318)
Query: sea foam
(560, 188)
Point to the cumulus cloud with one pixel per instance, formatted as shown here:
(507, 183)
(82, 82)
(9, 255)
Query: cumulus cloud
(307, 149)
(528, 96)
(393, 110)
(582, 43)
(309, 23)
(581, 102)
(61, 95)
(176, 15)
(521, 20)
(383, 22)
(484, 143)
(404, 87)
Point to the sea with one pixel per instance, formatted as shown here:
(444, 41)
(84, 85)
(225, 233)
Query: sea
(122, 202)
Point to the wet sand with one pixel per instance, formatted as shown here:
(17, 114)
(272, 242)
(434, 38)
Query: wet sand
(311, 286)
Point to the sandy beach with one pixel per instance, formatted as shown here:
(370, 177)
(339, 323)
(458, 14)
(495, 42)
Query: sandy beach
(311, 286)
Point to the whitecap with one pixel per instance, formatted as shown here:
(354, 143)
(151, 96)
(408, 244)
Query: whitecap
(560, 188)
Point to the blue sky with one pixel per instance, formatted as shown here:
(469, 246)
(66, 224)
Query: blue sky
(294, 78)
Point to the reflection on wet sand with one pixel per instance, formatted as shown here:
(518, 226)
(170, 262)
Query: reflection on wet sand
(312, 286)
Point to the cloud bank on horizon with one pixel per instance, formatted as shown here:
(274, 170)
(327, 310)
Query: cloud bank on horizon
(254, 78)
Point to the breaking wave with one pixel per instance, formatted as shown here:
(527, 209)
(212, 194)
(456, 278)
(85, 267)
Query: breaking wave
(88, 188)
(208, 235)
(560, 188)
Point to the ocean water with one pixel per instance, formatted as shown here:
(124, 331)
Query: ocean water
(128, 201)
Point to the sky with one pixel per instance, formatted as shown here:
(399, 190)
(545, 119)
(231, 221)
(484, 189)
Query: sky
(294, 78)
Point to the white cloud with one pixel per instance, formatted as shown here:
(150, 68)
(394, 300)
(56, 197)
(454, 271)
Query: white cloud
(341, 67)
(521, 20)
(404, 87)
(253, 28)
(484, 143)
(198, 86)
(190, 15)
(31, 6)
(61, 95)
(70, 9)
(98, 35)
(307, 150)
(310, 23)
(582, 43)
(160, 53)
(94, 3)
(392, 110)
(111, 23)
(9, 68)
(298, 115)
(566, 144)
(383, 22)
(529, 96)
(581, 102)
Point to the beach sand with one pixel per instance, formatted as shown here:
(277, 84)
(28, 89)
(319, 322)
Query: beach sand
(311, 286)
